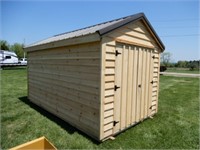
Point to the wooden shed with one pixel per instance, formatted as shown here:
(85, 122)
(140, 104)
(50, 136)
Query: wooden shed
(102, 79)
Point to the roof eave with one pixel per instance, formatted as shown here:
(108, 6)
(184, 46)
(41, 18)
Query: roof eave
(154, 32)
(66, 42)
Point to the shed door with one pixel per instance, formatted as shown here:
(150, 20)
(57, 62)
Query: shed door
(133, 87)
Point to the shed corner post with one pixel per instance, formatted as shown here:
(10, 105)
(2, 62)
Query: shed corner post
(158, 88)
(27, 69)
(102, 85)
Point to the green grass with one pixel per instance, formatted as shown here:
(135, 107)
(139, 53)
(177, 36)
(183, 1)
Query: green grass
(182, 70)
(176, 126)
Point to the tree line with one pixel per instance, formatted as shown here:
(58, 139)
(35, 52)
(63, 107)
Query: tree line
(166, 60)
(166, 57)
(16, 47)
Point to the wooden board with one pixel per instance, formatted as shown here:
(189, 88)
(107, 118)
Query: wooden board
(134, 85)
(124, 87)
(150, 86)
(143, 83)
(139, 85)
(118, 78)
(129, 86)
(148, 80)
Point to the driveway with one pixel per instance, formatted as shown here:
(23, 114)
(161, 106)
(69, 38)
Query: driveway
(180, 74)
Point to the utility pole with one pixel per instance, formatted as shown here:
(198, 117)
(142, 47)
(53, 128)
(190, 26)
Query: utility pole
(24, 46)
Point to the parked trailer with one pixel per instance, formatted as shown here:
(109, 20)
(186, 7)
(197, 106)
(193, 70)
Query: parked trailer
(10, 59)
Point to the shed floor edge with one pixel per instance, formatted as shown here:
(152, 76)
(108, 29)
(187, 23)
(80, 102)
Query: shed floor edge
(127, 128)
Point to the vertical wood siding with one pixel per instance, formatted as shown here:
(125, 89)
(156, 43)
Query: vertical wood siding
(65, 81)
(136, 68)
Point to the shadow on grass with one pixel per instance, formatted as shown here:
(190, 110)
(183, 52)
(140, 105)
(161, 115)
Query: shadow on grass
(67, 127)
(14, 68)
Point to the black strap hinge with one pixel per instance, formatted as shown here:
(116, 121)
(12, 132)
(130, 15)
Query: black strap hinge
(153, 57)
(150, 107)
(116, 87)
(117, 53)
(115, 122)
(151, 82)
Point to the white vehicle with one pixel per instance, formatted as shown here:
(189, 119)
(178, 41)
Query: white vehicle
(23, 61)
(8, 57)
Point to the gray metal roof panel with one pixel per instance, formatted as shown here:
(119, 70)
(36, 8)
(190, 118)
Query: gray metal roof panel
(76, 33)
(101, 28)
(120, 23)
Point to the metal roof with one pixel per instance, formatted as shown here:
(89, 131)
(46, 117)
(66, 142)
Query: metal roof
(101, 28)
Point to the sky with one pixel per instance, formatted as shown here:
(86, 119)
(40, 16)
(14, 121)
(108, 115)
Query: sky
(177, 22)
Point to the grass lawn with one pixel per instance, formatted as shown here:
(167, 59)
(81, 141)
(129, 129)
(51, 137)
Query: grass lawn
(176, 126)
(182, 70)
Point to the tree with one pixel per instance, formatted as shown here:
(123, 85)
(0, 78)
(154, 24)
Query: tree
(182, 64)
(4, 45)
(193, 65)
(18, 49)
(166, 58)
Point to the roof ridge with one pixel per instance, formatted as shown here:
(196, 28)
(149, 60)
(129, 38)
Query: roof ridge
(94, 25)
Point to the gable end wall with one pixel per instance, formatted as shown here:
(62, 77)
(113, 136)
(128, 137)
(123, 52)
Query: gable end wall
(132, 34)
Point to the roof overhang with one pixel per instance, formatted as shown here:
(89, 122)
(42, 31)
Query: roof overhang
(66, 42)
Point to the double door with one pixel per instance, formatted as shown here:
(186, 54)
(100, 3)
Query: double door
(133, 85)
